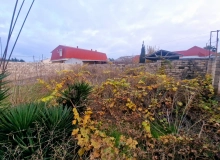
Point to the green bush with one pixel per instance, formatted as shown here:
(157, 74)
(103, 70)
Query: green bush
(75, 95)
(3, 89)
(33, 129)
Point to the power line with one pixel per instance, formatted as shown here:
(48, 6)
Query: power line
(20, 32)
(9, 36)
(21, 56)
(4, 62)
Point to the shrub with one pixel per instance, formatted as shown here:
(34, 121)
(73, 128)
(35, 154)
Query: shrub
(131, 114)
(34, 129)
(164, 116)
(75, 95)
(3, 89)
(17, 124)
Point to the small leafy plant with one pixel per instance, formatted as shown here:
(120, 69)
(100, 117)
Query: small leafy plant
(76, 95)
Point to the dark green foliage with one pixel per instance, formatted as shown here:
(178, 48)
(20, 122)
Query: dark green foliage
(55, 126)
(33, 129)
(161, 129)
(211, 48)
(3, 89)
(76, 95)
(17, 128)
(19, 118)
(116, 134)
(21, 60)
(56, 119)
(142, 55)
(16, 60)
(111, 59)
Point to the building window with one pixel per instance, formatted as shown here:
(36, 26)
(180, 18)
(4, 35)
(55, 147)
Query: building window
(60, 51)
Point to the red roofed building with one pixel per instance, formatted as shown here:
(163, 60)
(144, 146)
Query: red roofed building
(136, 59)
(195, 52)
(127, 59)
(65, 54)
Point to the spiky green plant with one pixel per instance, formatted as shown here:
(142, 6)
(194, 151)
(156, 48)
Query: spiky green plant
(76, 95)
(56, 120)
(3, 89)
(161, 128)
(32, 128)
(17, 127)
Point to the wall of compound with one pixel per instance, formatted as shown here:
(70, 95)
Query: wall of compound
(179, 69)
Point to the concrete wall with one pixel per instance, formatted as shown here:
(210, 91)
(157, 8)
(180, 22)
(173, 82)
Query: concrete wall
(74, 61)
(25, 71)
(180, 69)
(186, 68)
(22, 71)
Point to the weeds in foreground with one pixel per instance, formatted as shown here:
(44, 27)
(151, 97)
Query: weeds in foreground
(135, 115)
(157, 117)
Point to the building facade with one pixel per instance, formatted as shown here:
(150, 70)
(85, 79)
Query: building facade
(66, 54)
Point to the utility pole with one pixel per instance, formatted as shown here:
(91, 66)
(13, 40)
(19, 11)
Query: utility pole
(217, 42)
(210, 46)
(206, 46)
(1, 46)
(210, 43)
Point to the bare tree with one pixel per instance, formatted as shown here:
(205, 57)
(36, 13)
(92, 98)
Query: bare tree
(151, 49)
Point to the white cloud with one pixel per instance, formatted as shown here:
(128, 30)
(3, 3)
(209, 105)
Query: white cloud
(116, 27)
(90, 32)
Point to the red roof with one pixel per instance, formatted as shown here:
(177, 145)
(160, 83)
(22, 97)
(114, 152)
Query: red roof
(136, 58)
(195, 51)
(77, 53)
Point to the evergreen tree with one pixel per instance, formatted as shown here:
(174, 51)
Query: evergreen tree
(142, 55)
(16, 60)
(111, 59)
(21, 60)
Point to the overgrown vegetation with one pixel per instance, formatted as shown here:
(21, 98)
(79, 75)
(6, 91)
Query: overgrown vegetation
(127, 114)
(34, 131)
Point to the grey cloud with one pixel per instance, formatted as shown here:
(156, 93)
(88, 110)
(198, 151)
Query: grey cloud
(116, 27)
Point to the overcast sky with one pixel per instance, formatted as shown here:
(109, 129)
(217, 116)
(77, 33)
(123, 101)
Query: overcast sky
(115, 27)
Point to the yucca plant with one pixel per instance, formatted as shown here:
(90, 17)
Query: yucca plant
(17, 127)
(3, 89)
(75, 95)
(33, 128)
(20, 118)
(56, 120)
(56, 127)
